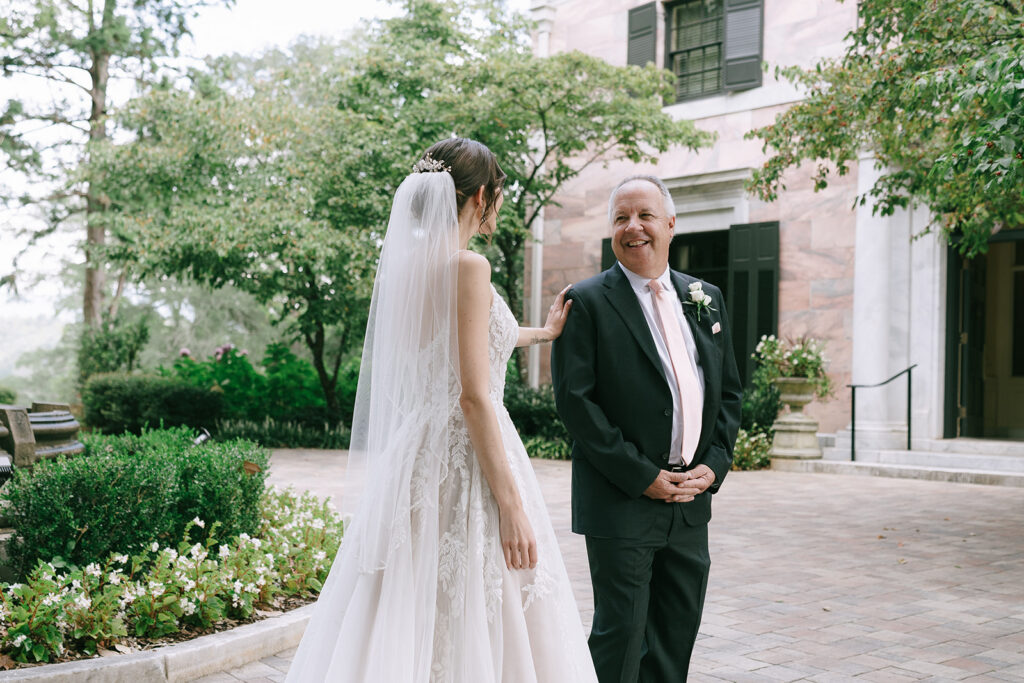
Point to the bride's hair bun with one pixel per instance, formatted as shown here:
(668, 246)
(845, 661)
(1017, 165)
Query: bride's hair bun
(471, 165)
(430, 165)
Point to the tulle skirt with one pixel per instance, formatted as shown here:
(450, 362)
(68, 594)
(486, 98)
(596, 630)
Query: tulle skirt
(444, 607)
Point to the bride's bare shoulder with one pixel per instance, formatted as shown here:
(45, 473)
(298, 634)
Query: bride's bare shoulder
(473, 266)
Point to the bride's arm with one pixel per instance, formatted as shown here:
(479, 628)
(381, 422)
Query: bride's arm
(474, 304)
(552, 327)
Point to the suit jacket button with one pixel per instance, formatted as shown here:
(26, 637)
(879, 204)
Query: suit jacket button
(664, 456)
(667, 413)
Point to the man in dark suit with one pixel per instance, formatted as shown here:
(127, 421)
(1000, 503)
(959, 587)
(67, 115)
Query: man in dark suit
(647, 385)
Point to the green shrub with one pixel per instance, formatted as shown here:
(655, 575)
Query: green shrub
(761, 405)
(273, 434)
(161, 590)
(286, 390)
(533, 412)
(116, 403)
(7, 395)
(130, 490)
(752, 451)
(229, 373)
(348, 382)
(111, 346)
(293, 392)
(546, 449)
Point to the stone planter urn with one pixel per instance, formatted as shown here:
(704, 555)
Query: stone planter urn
(796, 435)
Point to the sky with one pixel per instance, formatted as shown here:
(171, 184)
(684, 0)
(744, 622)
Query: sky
(250, 26)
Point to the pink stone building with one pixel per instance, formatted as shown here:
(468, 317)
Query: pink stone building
(810, 263)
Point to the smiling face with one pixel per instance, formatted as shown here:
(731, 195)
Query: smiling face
(641, 228)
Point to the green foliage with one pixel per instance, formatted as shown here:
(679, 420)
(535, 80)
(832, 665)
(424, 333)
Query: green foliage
(276, 175)
(273, 434)
(348, 383)
(227, 372)
(933, 90)
(130, 490)
(761, 405)
(533, 411)
(547, 449)
(292, 388)
(801, 357)
(7, 395)
(752, 451)
(111, 346)
(468, 68)
(130, 403)
(534, 415)
(287, 390)
(76, 49)
(160, 590)
(250, 191)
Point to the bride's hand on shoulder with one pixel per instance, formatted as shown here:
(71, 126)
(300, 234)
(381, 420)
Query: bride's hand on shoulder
(518, 543)
(557, 314)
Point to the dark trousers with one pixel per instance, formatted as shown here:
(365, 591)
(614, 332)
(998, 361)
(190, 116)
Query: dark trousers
(648, 599)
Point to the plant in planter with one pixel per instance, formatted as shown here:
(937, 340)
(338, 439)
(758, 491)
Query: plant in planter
(797, 368)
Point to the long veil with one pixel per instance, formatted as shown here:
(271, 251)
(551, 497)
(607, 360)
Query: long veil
(408, 385)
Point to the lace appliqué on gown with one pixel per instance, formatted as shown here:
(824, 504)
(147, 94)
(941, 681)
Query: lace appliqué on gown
(489, 624)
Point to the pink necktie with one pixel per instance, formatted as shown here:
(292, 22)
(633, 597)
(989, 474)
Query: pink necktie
(686, 378)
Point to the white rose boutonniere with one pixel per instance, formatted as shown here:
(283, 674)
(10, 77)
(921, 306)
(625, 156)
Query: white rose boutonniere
(699, 299)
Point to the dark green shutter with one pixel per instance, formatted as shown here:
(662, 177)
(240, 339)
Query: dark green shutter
(643, 22)
(753, 294)
(743, 32)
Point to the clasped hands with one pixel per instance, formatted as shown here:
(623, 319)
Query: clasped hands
(681, 487)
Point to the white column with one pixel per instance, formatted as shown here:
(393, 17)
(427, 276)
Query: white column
(881, 319)
(928, 329)
(544, 14)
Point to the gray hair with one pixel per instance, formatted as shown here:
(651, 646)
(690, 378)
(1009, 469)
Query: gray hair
(670, 206)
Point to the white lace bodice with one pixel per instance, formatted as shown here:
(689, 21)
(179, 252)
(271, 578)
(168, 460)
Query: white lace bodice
(503, 332)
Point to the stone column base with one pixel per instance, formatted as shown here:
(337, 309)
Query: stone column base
(796, 437)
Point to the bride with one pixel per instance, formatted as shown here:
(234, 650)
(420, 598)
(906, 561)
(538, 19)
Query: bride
(449, 570)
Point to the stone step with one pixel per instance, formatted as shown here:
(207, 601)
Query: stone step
(841, 441)
(974, 446)
(963, 460)
(962, 476)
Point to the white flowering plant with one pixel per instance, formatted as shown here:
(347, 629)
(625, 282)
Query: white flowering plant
(802, 357)
(158, 591)
(752, 450)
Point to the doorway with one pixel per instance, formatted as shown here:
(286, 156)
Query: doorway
(985, 348)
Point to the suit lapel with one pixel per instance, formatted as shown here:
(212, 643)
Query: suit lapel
(707, 350)
(621, 296)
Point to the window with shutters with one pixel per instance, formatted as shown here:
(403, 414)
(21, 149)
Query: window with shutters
(713, 45)
(643, 22)
(696, 30)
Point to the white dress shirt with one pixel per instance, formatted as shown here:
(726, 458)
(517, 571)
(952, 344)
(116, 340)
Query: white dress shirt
(642, 289)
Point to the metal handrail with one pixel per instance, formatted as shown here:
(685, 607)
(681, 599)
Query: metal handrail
(853, 407)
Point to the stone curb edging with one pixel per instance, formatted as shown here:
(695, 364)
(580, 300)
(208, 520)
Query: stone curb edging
(181, 662)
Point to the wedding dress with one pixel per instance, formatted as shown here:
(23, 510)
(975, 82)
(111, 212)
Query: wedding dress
(420, 591)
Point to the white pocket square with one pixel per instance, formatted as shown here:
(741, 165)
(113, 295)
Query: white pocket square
(716, 328)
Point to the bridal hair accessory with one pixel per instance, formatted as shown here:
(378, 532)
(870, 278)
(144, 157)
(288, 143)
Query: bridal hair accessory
(430, 165)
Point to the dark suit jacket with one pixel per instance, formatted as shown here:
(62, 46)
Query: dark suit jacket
(612, 395)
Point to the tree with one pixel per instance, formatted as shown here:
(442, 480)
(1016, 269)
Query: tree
(244, 188)
(276, 175)
(466, 68)
(78, 46)
(936, 91)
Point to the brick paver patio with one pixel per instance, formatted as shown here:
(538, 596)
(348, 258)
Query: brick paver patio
(818, 577)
